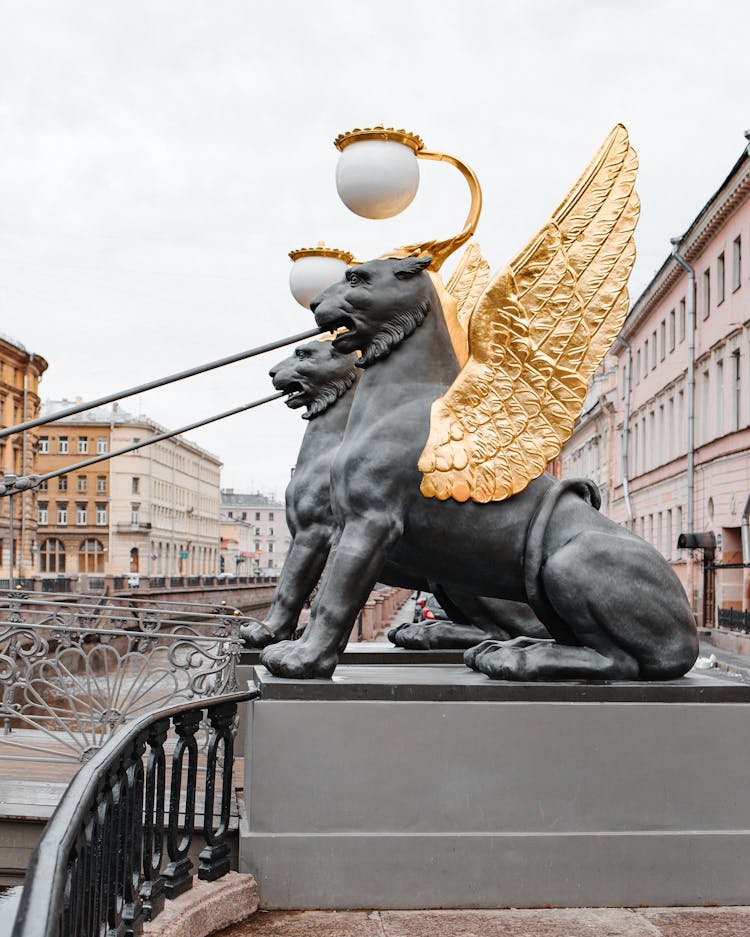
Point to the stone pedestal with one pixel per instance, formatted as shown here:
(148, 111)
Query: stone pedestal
(419, 787)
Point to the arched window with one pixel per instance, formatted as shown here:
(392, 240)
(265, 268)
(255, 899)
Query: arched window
(52, 556)
(91, 557)
(134, 560)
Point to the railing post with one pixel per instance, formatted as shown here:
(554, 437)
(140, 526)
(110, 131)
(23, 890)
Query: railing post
(132, 840)
(177, 875)
(152, 890)
(214, 857)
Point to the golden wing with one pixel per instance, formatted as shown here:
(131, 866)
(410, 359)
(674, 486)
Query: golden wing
(468, 282)
(537, 334)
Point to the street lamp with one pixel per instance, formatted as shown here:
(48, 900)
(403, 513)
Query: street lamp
(377, 176)
(315, 268)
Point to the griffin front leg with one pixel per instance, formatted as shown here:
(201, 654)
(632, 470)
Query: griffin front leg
(302, 568)
(352, 570)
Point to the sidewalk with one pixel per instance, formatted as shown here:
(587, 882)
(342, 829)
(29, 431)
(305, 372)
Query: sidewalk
(568, 922)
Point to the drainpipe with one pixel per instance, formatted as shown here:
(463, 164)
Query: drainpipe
(745, 531)
(690, 401)
(22, 551)
(625, 437)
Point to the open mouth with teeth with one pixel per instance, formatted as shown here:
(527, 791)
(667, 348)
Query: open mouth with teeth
(297, 396)
(343, 328)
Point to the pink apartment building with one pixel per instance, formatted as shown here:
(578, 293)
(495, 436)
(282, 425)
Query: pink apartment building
(666, 427)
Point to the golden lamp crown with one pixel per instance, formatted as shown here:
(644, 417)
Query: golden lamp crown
(379, 132)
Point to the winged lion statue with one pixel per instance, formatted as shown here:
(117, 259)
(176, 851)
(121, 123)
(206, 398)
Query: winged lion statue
(442, 464)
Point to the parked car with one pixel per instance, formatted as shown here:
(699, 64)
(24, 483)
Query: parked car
(427, 608)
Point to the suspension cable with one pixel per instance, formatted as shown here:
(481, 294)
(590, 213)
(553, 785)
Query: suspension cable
(160, 382)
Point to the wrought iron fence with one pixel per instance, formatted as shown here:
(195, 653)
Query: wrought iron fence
(734, 619)
(72, 674)
(101, 866)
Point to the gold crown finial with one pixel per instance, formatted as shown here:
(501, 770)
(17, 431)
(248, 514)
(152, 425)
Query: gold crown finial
(379, 132)
(321, 251)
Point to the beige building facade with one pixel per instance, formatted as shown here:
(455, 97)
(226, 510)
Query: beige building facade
(154, 511)
(20, 373)
(269, 535)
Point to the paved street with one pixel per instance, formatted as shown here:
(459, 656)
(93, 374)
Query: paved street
(575, 922)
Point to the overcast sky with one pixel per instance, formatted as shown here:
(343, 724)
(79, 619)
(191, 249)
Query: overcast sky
(159, 159)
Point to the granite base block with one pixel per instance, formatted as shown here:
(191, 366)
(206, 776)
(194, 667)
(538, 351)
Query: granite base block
(562, 795)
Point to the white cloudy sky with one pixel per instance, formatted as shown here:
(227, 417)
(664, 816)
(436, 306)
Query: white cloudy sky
(159, 159)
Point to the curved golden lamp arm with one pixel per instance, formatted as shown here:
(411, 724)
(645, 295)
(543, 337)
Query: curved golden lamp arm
(441, 250)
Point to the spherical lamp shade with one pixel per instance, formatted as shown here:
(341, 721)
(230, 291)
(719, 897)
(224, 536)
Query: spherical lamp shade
(377, 175)
(377, 178)
(314, 269)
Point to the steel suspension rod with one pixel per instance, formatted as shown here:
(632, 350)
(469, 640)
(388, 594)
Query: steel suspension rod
(33, 481)
(160, 382)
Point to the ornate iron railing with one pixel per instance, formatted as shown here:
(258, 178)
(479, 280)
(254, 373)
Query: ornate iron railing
(74, 673)
(734, 619)
(101, 866)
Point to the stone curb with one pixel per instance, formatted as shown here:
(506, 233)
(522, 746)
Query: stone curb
(208, 907)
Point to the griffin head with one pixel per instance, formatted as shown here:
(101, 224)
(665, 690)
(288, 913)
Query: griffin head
(379, 303)
(315, 376)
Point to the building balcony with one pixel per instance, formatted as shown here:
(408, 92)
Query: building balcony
(125, 527)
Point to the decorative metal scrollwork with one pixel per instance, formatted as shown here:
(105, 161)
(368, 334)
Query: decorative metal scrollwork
(72, 674)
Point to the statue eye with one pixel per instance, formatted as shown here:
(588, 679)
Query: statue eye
(354, 280)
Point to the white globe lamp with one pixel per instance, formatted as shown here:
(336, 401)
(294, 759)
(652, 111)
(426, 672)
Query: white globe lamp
(377, 175)
(314, 269)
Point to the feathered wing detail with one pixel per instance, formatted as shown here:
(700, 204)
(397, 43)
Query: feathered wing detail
(468, 282)
(536, 335)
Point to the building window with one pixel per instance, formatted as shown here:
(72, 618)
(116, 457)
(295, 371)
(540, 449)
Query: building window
(81, 483)
(737, 263)
(682, 320)
(230, 513)
(671, 330)
(705, 406)
(257, 515)
(244, 515)
(136, 439)
(62, 515)
(737, 390)
(62, 483)
(43, 445)
(720, 278)
(270, 548)
(645, 358)
(663, 340)
(91, 557)
(62, 445)
(257, 546)
(270, 531)
(81, 515)
(638, 366)
(101, 444)
(720, 398)
(43, 485)
(653, 350)
(134, 512)
(668, 536)
(83, 445)
(101, 515)
(101, 483)
(135, 484)
(42, 513)
(52, 556)
(257, 531)
(706, 294)
(270, 515)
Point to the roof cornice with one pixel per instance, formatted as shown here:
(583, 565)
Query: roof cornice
(722, 204)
